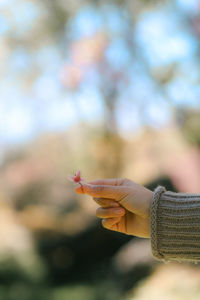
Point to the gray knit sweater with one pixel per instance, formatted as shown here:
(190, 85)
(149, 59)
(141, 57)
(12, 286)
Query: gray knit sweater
(175, 225)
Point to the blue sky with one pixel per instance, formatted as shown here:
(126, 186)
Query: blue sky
(48, 107)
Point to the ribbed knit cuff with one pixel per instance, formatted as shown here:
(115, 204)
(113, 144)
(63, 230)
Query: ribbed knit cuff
(175, 225)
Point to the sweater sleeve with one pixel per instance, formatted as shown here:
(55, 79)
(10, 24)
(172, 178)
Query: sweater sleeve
(175, 225)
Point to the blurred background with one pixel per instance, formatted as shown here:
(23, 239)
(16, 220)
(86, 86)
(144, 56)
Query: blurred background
(111, 88)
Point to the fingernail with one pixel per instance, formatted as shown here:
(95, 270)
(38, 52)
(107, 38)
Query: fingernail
(118, 210)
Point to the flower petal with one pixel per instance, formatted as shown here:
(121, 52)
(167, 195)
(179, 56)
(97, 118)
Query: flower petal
(71, 178)
(78, 173)
(77, 178)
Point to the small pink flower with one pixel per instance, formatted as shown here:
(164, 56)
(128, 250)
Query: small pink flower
(76, 178)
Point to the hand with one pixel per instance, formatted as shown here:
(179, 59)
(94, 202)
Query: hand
(125, 205)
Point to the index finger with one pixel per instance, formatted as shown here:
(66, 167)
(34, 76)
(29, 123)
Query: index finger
(110, 181)
(103, 191)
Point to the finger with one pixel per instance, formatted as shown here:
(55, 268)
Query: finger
(110, 223)
(113, 181)
(109, 212)
(104, 202)
(103, 191)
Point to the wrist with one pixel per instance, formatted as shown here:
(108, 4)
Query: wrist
(148, 201)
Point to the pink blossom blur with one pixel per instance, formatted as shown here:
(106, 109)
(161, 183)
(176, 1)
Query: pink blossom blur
(76, 178)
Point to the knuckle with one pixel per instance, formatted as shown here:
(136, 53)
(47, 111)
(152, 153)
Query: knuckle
(121, 181)
(124, 180)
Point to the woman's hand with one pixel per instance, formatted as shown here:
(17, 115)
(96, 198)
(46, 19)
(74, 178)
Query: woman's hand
(124, 205)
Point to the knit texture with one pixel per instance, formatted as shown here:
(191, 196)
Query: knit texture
(175, 225)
